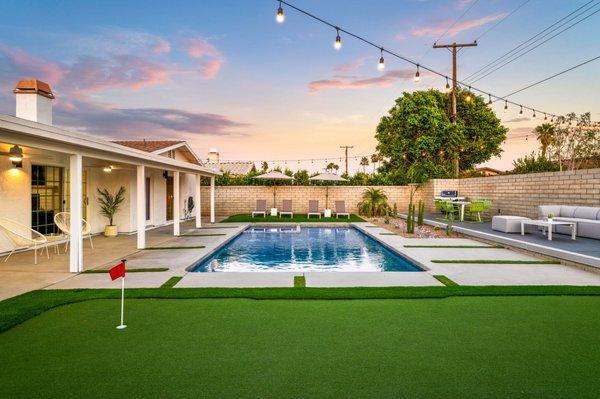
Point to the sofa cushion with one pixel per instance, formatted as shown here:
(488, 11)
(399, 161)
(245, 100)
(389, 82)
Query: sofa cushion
(589, 229)
(586, 212)
(567, 211)
(544, 210)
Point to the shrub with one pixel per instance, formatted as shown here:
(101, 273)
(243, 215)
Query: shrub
(374, 203)
(533, 164)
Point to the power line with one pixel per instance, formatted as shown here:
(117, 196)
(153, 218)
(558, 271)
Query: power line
(530, 50)
(396, 55)
(450, 27)
(532, 40)
(552, 77)
(502, 20)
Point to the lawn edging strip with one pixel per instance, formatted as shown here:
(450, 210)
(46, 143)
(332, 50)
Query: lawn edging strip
(16, 310)
(445, 280)
(137, 270)
(172, 282)
(497, 261)
(299, 282)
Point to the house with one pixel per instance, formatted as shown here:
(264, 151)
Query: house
(235, 168)
(45, 170)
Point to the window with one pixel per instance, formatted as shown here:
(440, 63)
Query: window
(47, 197)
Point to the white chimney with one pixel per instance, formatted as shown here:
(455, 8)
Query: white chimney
(213, 156)
(34, 101)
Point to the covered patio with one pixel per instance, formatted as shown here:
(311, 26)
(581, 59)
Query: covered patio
(73, 166)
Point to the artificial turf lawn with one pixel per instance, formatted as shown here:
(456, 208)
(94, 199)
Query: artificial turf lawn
(458, 347)
(298, 217)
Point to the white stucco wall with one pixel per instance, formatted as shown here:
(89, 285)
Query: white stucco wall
(15, 195)
(34, 107)
(112, 181)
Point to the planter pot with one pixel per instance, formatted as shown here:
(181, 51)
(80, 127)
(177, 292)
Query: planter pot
(110, 231)
(327, 213)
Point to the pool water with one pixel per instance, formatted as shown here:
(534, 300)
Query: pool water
(305, 249)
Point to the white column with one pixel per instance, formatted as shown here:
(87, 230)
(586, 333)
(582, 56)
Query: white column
(198, 202)
(176, 204)
(76, 187)
(212, 199)
(140, 209)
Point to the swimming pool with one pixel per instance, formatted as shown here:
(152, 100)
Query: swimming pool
(304, 249)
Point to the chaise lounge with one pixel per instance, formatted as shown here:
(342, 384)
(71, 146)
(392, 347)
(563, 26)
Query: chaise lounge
(340, 209)
(313, 209)
(286, 208)
(261, 208)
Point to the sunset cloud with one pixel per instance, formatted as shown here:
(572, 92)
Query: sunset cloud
(200, 48)
(16, 64)
(349, 67)
(344, 83)
(441, 27)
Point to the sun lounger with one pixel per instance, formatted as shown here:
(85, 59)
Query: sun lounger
(340, 209)
(261, 208)
(313, 208)
(286, 208)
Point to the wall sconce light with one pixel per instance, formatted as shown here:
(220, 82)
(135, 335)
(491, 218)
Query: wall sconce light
(108, 169)
(16, 156)
(166, 174)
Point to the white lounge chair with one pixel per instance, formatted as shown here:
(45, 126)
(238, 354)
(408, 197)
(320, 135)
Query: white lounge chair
(261, 208)
(340, 209)
(63, 221)
(286, 208)
(23, 237)
(313, 208)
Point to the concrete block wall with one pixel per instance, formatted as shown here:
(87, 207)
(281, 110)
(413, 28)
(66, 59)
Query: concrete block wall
(522, 194)
(232, 200)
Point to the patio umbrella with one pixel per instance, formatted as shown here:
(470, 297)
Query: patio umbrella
(327, 177)
(273, 175)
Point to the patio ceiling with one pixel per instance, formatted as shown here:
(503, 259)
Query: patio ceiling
(51, 139)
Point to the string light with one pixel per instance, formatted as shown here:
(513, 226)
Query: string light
(468, 96)
(368, 42)
(280, 17)
(545, 117)
(505, 106)
(448, 89)
(381, 65)
(489, 104)
(338, 40)
(521, 111)
(534, 114)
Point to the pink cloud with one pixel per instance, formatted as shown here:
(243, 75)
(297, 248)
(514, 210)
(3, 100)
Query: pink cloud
(92, 74)
(460, 4)
(161, 46)
(342, 83)
(441, 27)
(198, 47)
(27, 66)
(349, 67)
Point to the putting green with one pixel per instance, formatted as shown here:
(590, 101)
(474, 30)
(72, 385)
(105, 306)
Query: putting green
(242, 348)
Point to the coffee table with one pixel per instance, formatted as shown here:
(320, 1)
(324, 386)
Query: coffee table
(549, 225)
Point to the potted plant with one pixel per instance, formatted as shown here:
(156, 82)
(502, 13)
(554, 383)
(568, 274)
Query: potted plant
(550, 217)
(109, 205)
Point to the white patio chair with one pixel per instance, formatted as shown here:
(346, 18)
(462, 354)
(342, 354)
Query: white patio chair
(63, 221)
(23, 237)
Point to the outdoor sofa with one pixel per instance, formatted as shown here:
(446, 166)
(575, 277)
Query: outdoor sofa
(587, 218)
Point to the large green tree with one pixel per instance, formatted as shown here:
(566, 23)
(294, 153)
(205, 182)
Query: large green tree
(419, 140)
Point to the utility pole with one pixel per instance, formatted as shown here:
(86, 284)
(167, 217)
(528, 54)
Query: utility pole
(346, 147)
(453, 48)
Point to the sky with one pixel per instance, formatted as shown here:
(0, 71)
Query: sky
(223, 74)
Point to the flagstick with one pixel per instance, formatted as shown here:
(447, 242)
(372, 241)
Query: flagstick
(122, 326)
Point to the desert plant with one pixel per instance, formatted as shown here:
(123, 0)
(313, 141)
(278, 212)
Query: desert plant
(450, 224)
(374, 203)
(410, 219)
(109, 203)
(395, 210)
(421, 214)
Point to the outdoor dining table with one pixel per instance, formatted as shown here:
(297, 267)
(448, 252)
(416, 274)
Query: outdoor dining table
(461, 205)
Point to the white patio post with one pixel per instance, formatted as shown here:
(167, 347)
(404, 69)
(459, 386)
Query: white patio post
(198, 201)
(75, 195)
(140, 213)
(176, 204)
(212, 199)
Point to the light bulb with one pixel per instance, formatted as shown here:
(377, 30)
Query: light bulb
(505, 106)
(417, 75)
(521, 111)
(280, 17)
(489, 104)
(448, 89)
(381, 65)
(338, 41)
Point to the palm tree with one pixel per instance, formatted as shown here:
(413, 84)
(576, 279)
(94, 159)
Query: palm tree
(331, 167)
(364, 162)
(545, 135)
(374, 203)
(264, 166)
(375, 158)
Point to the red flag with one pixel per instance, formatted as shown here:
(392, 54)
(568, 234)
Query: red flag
(117, 271)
